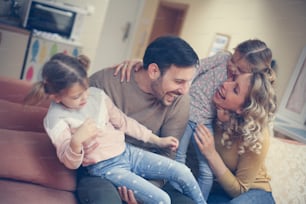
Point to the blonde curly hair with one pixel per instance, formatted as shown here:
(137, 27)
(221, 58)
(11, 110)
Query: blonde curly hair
(257, 113)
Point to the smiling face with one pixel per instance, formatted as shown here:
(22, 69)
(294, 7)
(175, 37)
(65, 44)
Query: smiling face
(74, 97)
(231, 95)
(173, 83)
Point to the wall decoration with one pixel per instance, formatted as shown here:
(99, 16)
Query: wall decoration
(35, 49)
(220, 42)
(291, 116)
(40, 50)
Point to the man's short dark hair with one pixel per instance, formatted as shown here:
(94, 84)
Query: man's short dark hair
(170, 50)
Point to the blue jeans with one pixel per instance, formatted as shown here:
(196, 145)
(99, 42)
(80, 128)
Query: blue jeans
(134, 166)
(205, 177)
(253, 196)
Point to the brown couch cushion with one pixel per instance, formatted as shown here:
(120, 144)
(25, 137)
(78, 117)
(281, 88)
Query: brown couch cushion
(15, 90)
(30, 157)
(15, 116)
(17, 192)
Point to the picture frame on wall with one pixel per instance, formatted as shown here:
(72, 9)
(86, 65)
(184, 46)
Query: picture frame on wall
(220, 42)
(291, 116)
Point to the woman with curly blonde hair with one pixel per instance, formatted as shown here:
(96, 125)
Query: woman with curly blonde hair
(249, 56)
(237, 151)
(258, 110)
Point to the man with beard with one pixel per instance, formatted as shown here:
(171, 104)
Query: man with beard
(156, 96)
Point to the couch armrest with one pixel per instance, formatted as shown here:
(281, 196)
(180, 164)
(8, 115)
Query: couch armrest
(30, 157)
(15, 116)
(14, 90)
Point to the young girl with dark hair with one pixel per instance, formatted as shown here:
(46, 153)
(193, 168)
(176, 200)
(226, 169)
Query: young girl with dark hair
(79, 113)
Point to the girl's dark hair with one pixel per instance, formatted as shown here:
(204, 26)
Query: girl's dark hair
(58, 74)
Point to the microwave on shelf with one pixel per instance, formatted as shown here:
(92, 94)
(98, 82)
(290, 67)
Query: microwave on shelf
(59, 18)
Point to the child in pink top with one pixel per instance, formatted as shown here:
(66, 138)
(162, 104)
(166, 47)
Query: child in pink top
(78, 113)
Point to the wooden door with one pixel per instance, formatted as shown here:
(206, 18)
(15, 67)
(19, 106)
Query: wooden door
(169, 19)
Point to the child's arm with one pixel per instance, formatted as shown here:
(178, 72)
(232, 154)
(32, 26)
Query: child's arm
(68, 144)
(133, 128)
(164, 142)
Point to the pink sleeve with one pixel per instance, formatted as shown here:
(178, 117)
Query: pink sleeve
(126, 124)
(60, 136)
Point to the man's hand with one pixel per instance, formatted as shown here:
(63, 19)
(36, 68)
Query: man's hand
(127, 195)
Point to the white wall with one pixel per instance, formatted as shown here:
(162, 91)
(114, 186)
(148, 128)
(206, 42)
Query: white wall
(280, 23)
(92, 26)
(117, 34)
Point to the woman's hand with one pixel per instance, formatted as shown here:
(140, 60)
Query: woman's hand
(205, 141)
(206, 144)
(126, 68)
(127, 195)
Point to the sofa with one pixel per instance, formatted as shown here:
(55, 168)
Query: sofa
(31, 173)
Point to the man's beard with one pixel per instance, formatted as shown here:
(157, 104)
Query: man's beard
(161, 95)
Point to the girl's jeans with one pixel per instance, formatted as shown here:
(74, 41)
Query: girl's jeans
(205, 178)
(134, 166)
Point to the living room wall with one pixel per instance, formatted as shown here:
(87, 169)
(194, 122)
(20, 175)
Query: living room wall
(280, 23)
(93, 24)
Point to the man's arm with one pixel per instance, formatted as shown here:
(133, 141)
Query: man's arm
(96, 80)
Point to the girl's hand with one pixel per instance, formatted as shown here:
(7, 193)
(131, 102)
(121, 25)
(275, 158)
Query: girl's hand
(205, 141)
(168, 142)
(126, 68)
(127, 195)
(86, 131)
(222, 114)
(89, 146)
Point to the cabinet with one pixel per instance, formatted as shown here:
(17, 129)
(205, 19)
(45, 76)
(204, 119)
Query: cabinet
(13, 45)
